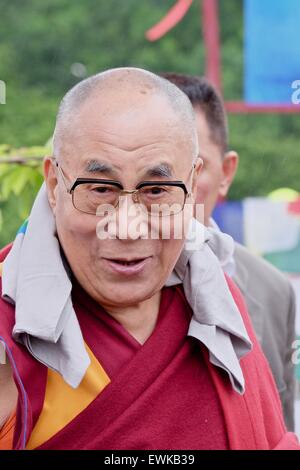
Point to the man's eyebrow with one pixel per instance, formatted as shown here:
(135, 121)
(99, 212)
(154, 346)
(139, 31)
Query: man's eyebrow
(96, 166)
(163, 170)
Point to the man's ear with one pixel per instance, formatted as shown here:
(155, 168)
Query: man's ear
(229, 166)
(196, 173)
(51, 181)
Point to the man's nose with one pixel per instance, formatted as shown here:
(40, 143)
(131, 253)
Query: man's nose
(132, 218)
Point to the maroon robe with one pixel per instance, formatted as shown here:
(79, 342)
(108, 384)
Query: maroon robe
(163, 395)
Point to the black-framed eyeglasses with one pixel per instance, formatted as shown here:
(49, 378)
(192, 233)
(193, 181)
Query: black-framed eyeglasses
(159, 198)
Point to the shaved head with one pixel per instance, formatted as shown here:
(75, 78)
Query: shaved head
(130, 88)
(127, 127)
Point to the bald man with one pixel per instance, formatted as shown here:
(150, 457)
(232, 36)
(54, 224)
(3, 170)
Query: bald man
(111, 341)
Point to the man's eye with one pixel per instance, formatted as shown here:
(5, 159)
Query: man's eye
(102, 189)
(155, 190)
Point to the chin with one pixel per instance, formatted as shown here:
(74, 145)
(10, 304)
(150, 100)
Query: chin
(124, 296)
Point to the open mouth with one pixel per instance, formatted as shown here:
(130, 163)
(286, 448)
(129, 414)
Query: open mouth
(128, 267)
(127, 263)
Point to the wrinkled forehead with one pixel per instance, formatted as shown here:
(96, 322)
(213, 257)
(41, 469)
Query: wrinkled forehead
(125, 121)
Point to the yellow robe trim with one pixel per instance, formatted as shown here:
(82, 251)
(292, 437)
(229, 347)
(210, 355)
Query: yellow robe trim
(62, 403)
(1, 264)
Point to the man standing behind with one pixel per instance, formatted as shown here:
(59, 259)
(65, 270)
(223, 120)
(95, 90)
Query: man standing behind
(269, 296)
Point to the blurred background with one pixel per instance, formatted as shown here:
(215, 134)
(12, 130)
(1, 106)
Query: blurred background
(48, 46)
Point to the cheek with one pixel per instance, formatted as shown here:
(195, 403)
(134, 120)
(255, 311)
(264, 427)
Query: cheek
(171, 250)
(175, 227)
(172, 233)
(73, 226)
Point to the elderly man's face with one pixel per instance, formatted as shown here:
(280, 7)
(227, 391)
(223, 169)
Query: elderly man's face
(130, 138)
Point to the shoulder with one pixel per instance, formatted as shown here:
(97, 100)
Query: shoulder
(8, 390)
(7, 310)
(255, 263)
(255, 274)
(241, 305)
(4, 252)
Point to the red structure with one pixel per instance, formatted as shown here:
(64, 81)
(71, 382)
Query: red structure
(211, 37)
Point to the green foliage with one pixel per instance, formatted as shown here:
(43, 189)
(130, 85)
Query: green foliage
(19, 185)
(268, 146)
(39, 42)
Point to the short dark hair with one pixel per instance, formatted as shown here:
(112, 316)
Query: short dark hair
(206, 98)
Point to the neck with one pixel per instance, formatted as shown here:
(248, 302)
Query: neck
(139, 319)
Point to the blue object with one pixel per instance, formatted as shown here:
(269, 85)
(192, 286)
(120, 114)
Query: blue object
(23, 227)
(272, 50)
(229, 218)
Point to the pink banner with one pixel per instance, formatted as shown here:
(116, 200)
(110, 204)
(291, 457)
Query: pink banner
(174, 15)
